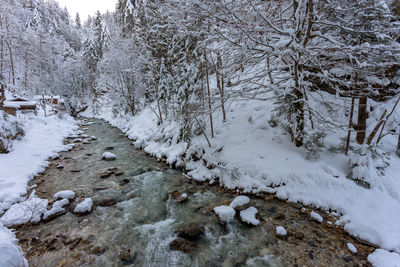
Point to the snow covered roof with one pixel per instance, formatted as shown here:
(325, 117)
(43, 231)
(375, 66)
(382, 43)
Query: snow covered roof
(38, 97)
(18, 104)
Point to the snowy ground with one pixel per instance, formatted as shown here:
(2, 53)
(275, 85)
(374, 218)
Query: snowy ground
(257, 158)
(28, 157)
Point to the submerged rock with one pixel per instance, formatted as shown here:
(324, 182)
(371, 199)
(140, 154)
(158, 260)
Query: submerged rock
(108, 202)
(184, 246)
(191, 231)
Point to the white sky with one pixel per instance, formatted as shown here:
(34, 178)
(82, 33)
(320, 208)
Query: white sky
(87, 7)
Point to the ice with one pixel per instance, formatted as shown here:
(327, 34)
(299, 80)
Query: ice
(240, 201)
(225, 213)
(67, 194)
(85, 206)
(249, 216)
(280, 231)
(316, 216)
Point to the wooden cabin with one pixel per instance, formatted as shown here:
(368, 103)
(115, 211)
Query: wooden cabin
(19, 103)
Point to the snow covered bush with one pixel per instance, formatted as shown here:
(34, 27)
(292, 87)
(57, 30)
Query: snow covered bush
(9, 131)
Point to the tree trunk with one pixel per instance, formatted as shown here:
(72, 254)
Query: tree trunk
(350, 125)
(220, 86)
(362, 119)
(11, 62)
(209, 96)
(298, 105)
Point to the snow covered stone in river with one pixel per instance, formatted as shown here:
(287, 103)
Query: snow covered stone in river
(56, 210)
(249, 216)
(352, 248)
(66, 194)
(93, 137)
(240, 202)
(316, 217)
(280, 231)
(108, 156)
(84, 207)
(225, 213)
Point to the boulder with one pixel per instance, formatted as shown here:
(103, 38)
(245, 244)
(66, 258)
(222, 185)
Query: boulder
(191, 231)
(184, 246)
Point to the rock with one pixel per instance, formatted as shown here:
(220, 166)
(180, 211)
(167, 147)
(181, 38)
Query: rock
(75, 171)
(240, 203)
(280, 232)
(77, 140)
(93, 138)
(225, 213)
(97, 250)
(86, 141)
(59, 166)
(108, 156)
(248, 216)
(126, 255)
(131, 195)
(278, 216)
(105, 174)
(124, 182)
(179, 197)
(191, 231)
(119, 173)
(84, 207)
(88, 154)
(184, 246)
(107, 202)
(112, 169)
(109, 148)
(101, 188)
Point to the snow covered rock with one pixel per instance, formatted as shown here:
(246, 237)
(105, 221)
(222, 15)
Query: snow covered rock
(249, 216)
(280, 231)
(383, 258)
(93, 138)
(66, 194)
(56, 210)
(84, 207)
(108, 156)
(316, 216)
(225, 213)
(10, 253)
(86, 141)
(29, 210)
(84, 136)
(352, 248)
(77, 140)
(240, 202)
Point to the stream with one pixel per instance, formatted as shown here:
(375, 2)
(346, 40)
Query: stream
(138, 209)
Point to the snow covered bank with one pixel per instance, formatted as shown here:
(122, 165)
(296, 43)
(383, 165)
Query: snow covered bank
(250, 155)
(43, 138)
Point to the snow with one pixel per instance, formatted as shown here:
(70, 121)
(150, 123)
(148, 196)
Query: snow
(184, 196)
(28, 156)
(249, 216)
(280, 231)
(383, 258)
(108, 156)
(57, 207)
(29, 210)
(10, 253)
(85, 206)
(352, 248)
(225, 213)
(66, 194)
(240, 201)
(316, 216)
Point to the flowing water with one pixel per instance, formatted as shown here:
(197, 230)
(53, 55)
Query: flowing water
(136, 215)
